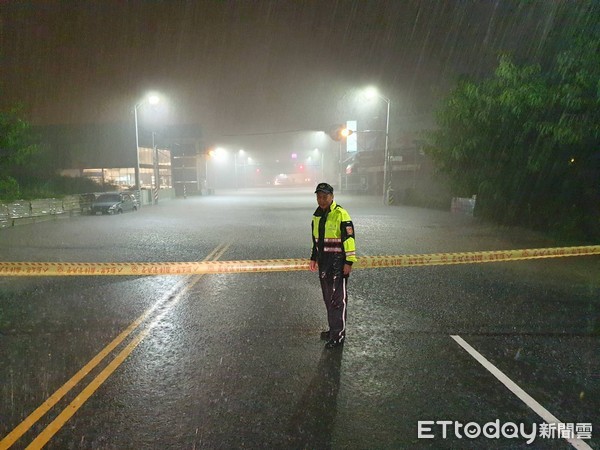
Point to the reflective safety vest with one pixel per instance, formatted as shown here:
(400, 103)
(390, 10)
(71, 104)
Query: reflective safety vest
(333, 235)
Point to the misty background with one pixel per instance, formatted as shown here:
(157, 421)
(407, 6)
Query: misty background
(238, 67)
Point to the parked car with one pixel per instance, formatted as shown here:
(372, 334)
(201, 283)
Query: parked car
(114, 203)
(85, 202)
(134, 195)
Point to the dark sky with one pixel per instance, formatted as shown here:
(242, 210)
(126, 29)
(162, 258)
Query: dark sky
(253, 66)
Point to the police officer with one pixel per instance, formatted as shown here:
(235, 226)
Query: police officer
(333, 254)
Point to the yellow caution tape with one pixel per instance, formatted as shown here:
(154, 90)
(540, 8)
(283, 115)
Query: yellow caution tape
(281, 265)
(437, 259)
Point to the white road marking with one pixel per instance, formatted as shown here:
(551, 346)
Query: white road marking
(546, 415)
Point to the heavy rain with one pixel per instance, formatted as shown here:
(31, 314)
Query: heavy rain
(299, 224)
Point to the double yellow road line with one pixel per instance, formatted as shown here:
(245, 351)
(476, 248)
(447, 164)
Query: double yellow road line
(156, 313)
(209, 265)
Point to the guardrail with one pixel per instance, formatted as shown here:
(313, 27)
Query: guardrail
(23, 212)
(31, 211)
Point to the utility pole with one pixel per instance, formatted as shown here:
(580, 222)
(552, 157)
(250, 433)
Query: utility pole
(156, 169)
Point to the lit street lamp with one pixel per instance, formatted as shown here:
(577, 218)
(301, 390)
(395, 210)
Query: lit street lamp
(371, 92)
(153, 99)
(339, 133)
(235, 165)
(207, 156)
(319, 152)
(216, 154)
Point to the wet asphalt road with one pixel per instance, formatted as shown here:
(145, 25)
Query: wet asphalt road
(235, 360)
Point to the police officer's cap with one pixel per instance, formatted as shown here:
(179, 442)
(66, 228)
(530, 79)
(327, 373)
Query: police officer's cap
(324, 187)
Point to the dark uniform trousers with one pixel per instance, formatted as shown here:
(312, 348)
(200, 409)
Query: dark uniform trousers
(335, 296)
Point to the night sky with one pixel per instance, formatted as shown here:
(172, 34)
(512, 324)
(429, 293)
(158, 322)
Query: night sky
(239, 67)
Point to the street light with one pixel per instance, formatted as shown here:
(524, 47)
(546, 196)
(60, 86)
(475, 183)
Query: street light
(152, 99)
(207, 156)
(216, 154)
(340, 133)
(156, 168)
(319, 152)
(370, 93)
(241, 152)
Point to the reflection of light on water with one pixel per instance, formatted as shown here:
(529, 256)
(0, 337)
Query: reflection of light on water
(163, 333)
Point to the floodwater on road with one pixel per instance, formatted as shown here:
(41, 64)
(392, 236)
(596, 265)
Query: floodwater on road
(235, 360)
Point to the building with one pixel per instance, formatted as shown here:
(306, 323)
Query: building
(106, 153)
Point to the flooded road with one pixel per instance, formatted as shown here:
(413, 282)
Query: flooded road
(235, 360)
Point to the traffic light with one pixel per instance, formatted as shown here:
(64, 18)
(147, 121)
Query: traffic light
(339, 132)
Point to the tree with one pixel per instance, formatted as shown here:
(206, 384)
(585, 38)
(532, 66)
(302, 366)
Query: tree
(526, 141)
(17, 147)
